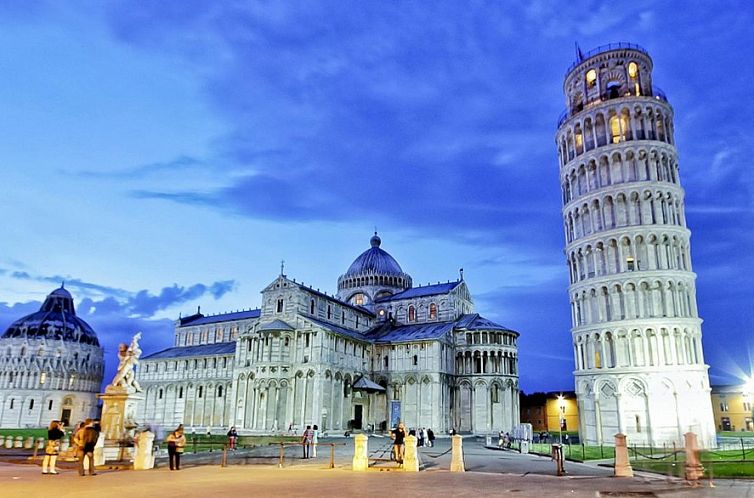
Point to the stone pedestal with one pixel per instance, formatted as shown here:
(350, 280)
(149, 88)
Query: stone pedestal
(144, 458)
(29, 443)
(9, 442)
(119, 405)
(693, 467)
(410, 456)
(19, 442)
(523, 447)
(456, 462)
(360, 453)
(622, 462)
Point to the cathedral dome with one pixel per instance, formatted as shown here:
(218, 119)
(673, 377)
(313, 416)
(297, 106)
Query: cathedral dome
(374, 274)
(55, 320)
(374, 261)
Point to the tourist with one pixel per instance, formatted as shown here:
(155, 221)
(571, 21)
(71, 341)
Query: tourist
(315, 440)
(430, 437)
(232, 436)
(74, 439)
(501, 439)
(86, 441)
(422, 436)
(306, 440)
(54, 435)
(399, 438)
(176, 443)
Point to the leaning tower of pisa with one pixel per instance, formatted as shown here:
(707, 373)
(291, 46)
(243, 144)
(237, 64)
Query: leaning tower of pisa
(637, 334)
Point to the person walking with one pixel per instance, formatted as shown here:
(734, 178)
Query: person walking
(306, 440)
(87, 439)
(232, 436)
(315, 440)
(430, 437)
(54, 435)
(399, 440)
(176, 443)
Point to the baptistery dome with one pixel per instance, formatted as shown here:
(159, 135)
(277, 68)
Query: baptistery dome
(51, 366)
(372, 275)
(56, 319)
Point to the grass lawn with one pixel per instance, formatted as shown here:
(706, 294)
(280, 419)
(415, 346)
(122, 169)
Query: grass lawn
(216, 442)
(576, 451)
(735, 434)
(717, 470)
(40, 432)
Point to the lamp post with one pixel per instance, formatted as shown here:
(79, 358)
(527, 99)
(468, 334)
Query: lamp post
(561, 415)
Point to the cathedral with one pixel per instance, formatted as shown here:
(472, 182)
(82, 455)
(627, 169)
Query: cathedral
(379, 351)
(51, 366)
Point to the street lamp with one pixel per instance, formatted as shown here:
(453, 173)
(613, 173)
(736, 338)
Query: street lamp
(561, 415)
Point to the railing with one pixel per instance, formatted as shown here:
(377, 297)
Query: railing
(606, 48)
(656, 93)
(283, 446)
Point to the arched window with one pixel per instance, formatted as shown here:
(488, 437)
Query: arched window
(591, 78)
(159, 394)
(180, 393)
(433, 311)
(416, 360)
(311, 307)
(280, 306)
(342, 317)
(201, 391)
(219, 391)
(411, 314)
(329, 312)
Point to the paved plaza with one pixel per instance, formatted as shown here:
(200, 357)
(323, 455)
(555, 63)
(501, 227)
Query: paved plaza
(256, 473)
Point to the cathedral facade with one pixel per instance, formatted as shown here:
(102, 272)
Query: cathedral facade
(637, 336)
(51, 366)
(379, 351)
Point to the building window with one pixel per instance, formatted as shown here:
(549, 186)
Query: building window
(329, 312)
(638, 423)
(49, 405)
(306, 340)
(180, 393)
(357, 321)
(219, 391)
(433, 311)
(200, 391)
(723, 405)
(311, 307)
(159, 394)
(342, 317)
(31, 404)
(411, 314)
(747, 406)
(633, 69)
(42, 377)
(11, 403)
(280, 305)
(384, 362)
(591, 78)
(287, 342)
(495, 394)
(416, 360)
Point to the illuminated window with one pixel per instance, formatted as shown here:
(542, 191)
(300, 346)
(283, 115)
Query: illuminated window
(42, 377)
(597, 360)
(359, 299)
(633, 69)
(382, 312)
(723, 406)
(432, 311)
(615, 135)
(630, 263)
(591, 78)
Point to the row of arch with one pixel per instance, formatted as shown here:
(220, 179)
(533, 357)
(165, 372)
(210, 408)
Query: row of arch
(402, 282)
(613, 124)
(633, 208)
(632, 300)
(638, 253)
(620, 166)
(50, 380)
(637, 348)
(188, 403)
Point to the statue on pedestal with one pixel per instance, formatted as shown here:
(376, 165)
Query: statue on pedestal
(128, 355)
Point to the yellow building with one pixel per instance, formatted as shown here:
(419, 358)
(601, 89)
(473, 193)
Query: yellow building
(547, 411)
(731, 406)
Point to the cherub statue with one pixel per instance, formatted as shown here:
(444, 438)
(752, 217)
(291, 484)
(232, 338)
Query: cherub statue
(129, 358)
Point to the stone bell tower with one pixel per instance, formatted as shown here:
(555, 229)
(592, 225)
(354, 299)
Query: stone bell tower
(637, 334)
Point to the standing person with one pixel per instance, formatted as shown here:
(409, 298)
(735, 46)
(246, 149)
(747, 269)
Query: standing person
(430, 437)
(422, 435)
(315, 440)
(399, 440)
(176, 443)
(306, 440)
(87, 440)
(232, 436)
(54, 435)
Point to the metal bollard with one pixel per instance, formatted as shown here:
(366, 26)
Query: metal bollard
(282, 456)
(557, 455)
(224, 460)
(332, 455)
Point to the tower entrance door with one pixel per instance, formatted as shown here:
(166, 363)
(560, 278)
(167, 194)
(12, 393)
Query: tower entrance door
(358, 414)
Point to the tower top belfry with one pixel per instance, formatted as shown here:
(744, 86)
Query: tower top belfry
(636, 330)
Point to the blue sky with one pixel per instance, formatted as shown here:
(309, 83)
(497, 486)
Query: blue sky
(160, 156)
